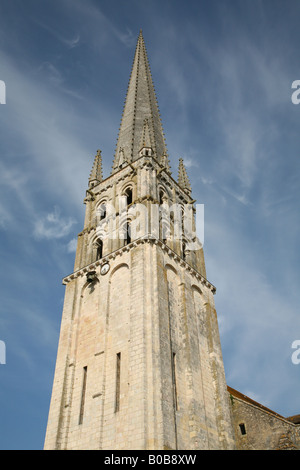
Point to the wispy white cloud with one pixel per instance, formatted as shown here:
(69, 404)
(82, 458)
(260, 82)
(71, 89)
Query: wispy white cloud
(55, 77)
(240, 92)
(256, 318)
(190, 162)
(68, 42)
(101, 27)
(53, 225)
(5, 217)
(53, 150)
(233, 94)
(242, 198)
(34, 327)
(72, 245)
(127, 37)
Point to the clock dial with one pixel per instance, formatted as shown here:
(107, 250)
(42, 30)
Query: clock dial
(105, 269)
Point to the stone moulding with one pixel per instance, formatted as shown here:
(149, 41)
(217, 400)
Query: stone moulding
(127, 248)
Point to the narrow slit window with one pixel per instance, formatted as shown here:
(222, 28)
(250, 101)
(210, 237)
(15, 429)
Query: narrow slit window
(99, 250)
(83, 390)
(127, 233)
(183, 251)
(161, 197)
(242, 429)
(118, 375)
(128, 194)
(163, 231)
(174, 379)
(102, 212)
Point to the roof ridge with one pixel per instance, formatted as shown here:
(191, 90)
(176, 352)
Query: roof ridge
(241, 396)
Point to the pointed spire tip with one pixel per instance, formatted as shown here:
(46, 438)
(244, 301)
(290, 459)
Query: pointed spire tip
(96, 173)
(140, 104)
(183, 179)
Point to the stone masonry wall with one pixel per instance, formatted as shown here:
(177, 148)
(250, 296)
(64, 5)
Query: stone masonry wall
(259, 429)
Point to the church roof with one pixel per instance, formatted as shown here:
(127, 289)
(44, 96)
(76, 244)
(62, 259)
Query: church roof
(243, 397)
(294, 419)
(140, 110)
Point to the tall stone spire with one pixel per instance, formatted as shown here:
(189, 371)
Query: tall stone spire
(140, 107)
(139, 362)
(183, 179)
(96, 173)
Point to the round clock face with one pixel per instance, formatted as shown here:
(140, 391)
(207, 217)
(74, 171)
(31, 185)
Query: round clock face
(105, 269)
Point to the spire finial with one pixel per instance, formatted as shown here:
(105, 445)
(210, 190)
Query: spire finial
(183, 179)
(96, 173)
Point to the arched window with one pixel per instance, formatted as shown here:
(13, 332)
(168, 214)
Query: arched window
(102, 211)
(99, 253)
(162, 196)
(125, 232)
(128, 194)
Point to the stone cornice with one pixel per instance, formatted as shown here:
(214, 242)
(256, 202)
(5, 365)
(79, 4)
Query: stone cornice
(127, 248)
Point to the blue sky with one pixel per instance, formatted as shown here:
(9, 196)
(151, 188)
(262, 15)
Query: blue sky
(223, 72)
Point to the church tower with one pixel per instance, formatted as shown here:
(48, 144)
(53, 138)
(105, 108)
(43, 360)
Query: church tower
(139, 363)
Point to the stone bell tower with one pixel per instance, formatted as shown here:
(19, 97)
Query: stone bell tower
(139, 363)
